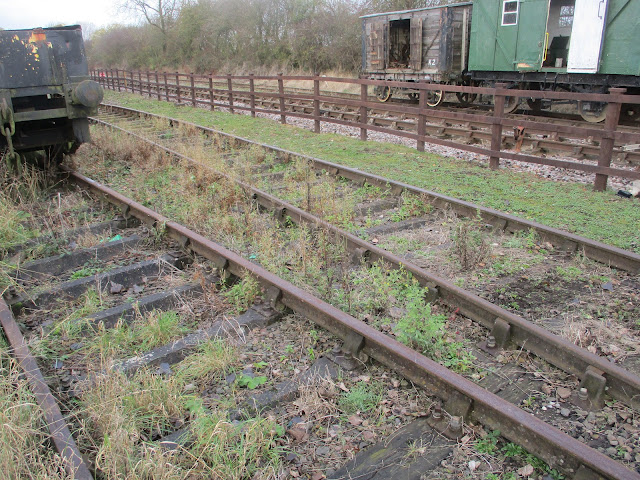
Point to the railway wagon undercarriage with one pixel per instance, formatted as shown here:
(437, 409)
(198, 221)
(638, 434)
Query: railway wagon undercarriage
(45, 93)
(555, 45)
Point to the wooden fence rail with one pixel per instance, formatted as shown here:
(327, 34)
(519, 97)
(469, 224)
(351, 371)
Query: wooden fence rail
(239, 93)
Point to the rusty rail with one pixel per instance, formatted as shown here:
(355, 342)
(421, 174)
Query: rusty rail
(202, 93)
(607, 254)
(553, 446)
(58, 429)
(511, 328)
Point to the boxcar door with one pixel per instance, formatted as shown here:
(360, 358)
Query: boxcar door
(376, 45)
(531, 34)
(415, 38)
(586, 36)
(507, 36)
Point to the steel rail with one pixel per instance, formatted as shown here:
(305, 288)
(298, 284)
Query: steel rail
(555, 447)
(58, 429)
(598, 251)
(620, 383)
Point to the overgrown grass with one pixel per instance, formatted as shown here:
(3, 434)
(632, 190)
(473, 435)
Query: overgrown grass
(573, 207)
(24, 440)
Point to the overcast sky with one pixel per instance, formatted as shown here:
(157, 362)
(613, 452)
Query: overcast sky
(91, 14)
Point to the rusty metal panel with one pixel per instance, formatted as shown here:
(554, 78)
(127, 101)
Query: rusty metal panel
(415, 41)
(41, 57)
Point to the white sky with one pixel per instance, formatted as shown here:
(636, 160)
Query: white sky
(91, 14)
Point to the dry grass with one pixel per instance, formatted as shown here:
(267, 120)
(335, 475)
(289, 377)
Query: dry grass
(25, 451)
(118, 415)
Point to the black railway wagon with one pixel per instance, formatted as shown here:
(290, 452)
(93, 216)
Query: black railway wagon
(426, 44)
(45, 91)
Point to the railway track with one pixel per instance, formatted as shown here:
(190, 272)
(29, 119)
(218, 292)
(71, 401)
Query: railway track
(162, 316)
(536, 140)
(304, 384)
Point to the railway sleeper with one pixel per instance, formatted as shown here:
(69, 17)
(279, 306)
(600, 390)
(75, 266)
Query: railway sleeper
(124, 276)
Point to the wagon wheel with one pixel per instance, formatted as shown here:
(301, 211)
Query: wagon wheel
(631, 112)
(593, 112)
(466, 98)
(535, 104)
(434, 97)
(383, 93)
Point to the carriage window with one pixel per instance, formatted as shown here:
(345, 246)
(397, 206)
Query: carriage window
(566, 16)
(510, 12)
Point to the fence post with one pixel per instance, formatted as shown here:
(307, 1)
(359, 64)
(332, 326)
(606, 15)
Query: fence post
(157, 85)
(166, 86)
(140, 82)
(193, 89)
(316, 105)
(118, 78)
(178, 100)
(252, 95)
(148, 84)
(363, 111)
(606, 144)
(422, 119)
(283, 116)
(496, 129)
(132, 82)
(230, 88)
(106, 78)
(113, 81)
(211, 91)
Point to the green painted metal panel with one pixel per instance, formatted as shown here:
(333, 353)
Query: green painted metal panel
(621, 48)
(482, 45)
(532, 26)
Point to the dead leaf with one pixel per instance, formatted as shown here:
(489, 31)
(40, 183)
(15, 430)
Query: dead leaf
(343, 387)
(525, 471)
(355, 420)
(298, 434)
(368, 435)
(317, 476)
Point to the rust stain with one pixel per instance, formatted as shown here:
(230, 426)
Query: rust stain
(37, 35)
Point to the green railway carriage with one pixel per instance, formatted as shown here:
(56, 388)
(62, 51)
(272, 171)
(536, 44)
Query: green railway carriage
(575, 45)
(557, 37)
(570, 45)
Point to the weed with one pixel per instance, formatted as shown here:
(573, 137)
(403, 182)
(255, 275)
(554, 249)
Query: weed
(569, 273)
(145, 333)
(247, 381)
(236, 451)
(241, 295)
(213, 360)
(511, 450)
(363, 397)
(489, 443)
(412, 206)
(471, 244)
(87, 271)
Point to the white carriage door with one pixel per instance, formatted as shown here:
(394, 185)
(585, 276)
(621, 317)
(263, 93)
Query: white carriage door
(586, 36)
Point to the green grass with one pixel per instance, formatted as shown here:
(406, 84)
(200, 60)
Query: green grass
(363, 397)
(568, 206)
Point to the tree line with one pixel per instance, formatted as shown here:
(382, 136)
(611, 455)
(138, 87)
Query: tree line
(240, 35)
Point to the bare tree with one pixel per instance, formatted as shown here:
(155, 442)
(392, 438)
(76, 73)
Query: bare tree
(158, 13)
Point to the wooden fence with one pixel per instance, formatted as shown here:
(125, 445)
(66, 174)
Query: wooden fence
(239, 93)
